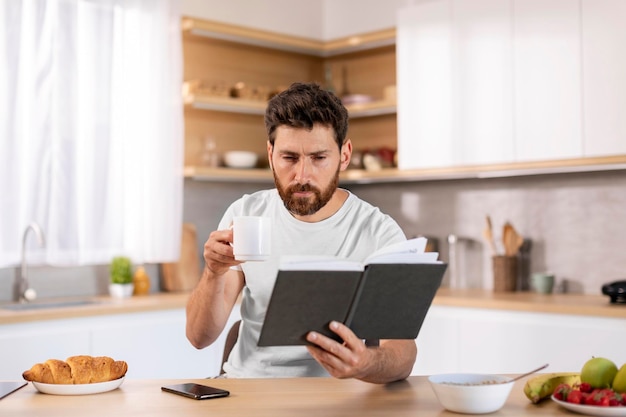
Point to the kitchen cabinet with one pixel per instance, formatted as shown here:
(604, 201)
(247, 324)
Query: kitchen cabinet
(23, 345)
(230, 72)
(456, 339)
(483, 121)
(547, 79)
(604, 83)
(425, 96)
(524, 86)
(454, 69)
(153, 343)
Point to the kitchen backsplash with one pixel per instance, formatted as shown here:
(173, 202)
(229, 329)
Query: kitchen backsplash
(576, 223)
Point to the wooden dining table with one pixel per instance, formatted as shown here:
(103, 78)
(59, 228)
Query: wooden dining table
(301, 397)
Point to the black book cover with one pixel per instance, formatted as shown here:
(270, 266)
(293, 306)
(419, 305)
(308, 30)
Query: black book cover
(394, 300)
(385, 301)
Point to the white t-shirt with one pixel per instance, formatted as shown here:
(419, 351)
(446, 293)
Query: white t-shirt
(355, 231)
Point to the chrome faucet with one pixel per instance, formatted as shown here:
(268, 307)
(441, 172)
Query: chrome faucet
(21, 289)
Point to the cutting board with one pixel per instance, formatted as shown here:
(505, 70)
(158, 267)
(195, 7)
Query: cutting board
(184, 274)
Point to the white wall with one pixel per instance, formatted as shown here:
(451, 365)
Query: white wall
(316, 19)
(349, 17)
(294, 17)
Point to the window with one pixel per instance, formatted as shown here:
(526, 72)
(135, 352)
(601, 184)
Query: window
(91, 129)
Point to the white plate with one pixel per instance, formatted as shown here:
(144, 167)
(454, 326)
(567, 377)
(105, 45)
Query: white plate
(78, 389)
(592, 410)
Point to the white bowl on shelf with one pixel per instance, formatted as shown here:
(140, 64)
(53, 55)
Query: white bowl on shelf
(471, 393)
(240, 159)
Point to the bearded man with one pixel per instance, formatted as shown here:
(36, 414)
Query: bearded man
(307, 148)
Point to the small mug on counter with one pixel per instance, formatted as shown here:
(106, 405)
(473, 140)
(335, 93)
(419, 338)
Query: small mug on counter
(542, 282)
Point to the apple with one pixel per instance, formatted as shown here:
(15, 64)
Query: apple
(598, 372)
(619, 382)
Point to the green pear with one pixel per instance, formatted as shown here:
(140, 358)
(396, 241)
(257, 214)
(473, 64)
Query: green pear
(619, 382)
(598, 372)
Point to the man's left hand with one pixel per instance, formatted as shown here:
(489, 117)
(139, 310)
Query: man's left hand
(352, 359)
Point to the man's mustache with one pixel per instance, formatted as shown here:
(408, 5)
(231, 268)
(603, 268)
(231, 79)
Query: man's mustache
(301, 188)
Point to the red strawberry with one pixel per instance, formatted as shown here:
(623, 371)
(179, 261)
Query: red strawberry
(585, 387)
(575, 397)
(561, 392)
(602, 397)
(615, 399)
(592, 397)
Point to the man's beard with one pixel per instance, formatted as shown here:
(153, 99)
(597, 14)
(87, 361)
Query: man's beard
(305, 206)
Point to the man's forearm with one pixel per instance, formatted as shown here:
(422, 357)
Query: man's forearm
(208, 309)
(394, 361)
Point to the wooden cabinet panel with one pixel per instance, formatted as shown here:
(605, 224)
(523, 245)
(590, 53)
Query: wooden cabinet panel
(248, 135)
(213, 66)
(547, 79)
(604, 76)
(366, 72)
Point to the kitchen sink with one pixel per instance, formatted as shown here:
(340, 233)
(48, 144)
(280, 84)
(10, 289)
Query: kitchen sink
(42, 305)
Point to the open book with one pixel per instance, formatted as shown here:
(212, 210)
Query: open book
(385, 297)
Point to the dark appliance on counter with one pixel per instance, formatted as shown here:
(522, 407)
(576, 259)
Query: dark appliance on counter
(616, 290)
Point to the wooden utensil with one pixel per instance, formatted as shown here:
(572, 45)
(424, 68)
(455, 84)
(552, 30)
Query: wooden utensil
(511, 240)
(488, 235)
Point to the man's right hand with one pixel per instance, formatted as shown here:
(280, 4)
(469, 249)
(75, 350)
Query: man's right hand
(218, 252)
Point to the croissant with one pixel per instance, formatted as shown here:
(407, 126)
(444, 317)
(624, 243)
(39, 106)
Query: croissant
(82, 369)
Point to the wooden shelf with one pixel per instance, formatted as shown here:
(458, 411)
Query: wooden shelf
(228, 174)
(226, 104)
(290, 43)
(244, 106)
(217, 57)
(391, 175)
(375, 108)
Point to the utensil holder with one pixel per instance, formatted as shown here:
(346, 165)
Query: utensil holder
(504, 273)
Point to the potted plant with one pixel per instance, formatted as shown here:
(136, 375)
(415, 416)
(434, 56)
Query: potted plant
(121, 272)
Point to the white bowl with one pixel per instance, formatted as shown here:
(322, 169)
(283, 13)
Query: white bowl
(240, 159)
(471, 393)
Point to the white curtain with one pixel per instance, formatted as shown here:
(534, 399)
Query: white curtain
(91, 130)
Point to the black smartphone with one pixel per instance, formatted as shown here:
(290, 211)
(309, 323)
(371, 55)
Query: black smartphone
(9, 387)
(196, 391)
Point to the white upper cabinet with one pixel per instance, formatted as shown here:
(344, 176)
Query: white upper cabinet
(495, 81)
(547, 79)
(454, 72)
(482, 83)
(604, 76)
(424, 97)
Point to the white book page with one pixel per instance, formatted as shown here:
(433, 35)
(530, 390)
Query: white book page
(408, 252)
(404, 258)
(318, 263)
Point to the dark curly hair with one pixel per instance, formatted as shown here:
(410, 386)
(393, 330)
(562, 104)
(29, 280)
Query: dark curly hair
(302, 106)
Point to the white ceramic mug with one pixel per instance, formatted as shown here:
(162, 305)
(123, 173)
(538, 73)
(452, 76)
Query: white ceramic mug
(252, 238)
